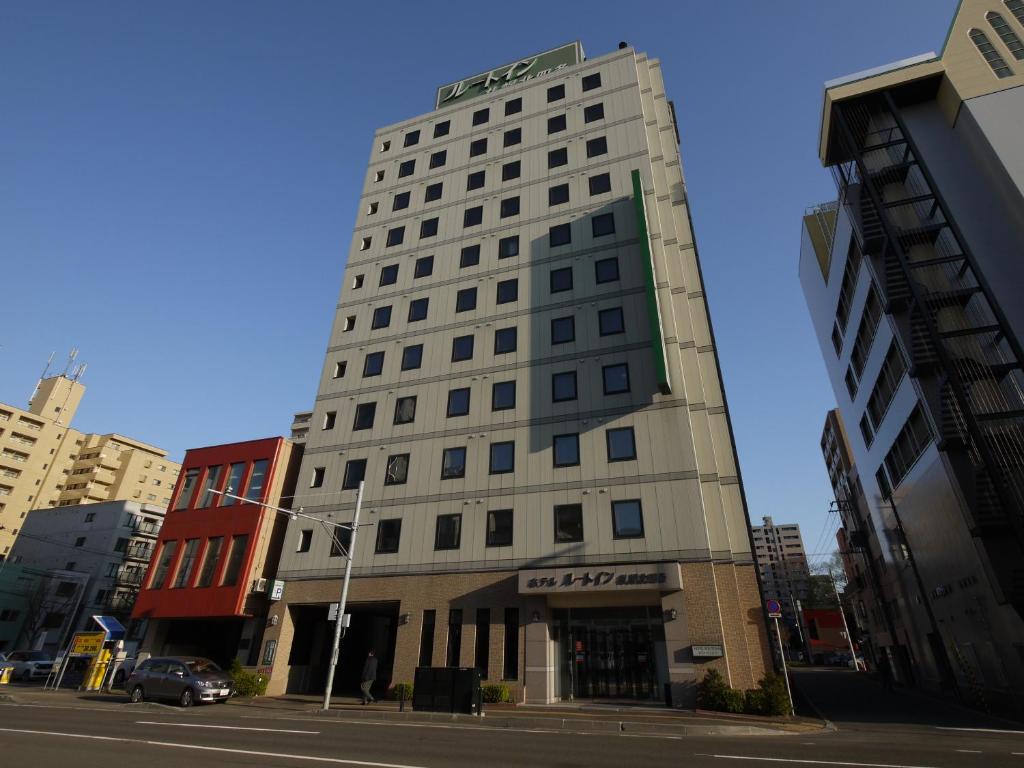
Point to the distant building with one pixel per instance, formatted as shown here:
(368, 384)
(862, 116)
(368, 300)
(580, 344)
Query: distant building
(825, 633)
(780, 555)
(300, 426)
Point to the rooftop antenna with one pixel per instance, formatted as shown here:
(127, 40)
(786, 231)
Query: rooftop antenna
(46, 370)
(71, 359)
(79, 371)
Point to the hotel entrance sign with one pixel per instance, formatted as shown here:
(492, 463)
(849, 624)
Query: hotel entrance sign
(664, 577)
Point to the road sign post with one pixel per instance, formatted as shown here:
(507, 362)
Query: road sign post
(774, 608)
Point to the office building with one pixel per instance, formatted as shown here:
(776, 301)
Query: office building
(782, 561)
(913, 282)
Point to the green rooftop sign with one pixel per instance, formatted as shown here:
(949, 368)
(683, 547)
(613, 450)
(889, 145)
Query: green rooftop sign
(540, 65)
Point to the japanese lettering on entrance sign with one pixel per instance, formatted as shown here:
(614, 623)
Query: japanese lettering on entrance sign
(597, 579)
(663, 577)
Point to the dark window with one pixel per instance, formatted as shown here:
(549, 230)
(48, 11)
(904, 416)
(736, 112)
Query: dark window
(406, 168)
(433, 192)
(477, 147)
(396, 471)
(503, 457)
(510, 660)
(439, 158)
(610, 321)
(458, 402)
(428, 227)
(621, 444)
(465, 300)
(389, 532)
(561, 279)
(424, 267)
(510, 171)
(508, 291)
(603, 224)
(453, 463)
(470, 256)
(462, 348)
(508, 246)
(365, 413)
(598, 146)
(590, 82)
(400, 202)
(567, 450)
(510, 205)
(418, 309)
(560, 234)
(389, 275)
(563, 386)
(563, 330)
(454, 637)
(475, 181)
(427, 639)
(482, 651)
(441, 129)
(305, 540)
(341, 541)
(473, 216)
(499, 528)
(395, 236)
(627, 519)
(412, 138)
(503, 395)
(405, 410)
(558, 194)
(513, 137)
(593, 112)
(447, 535)
(481, 116)
(381, 317)
(558, 157)
(355, 473)
(339, 369)
(556, 124)
(568, 522)
(556, 92)
(373, 364)
(616, 378)
(505, 340)
(606, 270)
(513, 107)
(600, 184)
(412, 357)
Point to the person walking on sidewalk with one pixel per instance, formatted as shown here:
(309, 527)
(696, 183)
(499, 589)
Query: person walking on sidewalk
(369, 675)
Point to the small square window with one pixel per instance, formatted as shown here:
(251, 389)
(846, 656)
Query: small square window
(418, 309)
(453, 463)
(560, 234)
(556, 124)
(355, 473)
(400, 201)
(395, 236)
(592, 81)
(365, 413)
(556, 92)
(462, 348)
(469, 256)
(389, 533)
(606, 270)
(407, 168)
(616, 378)
(465, 300)
(600, 184)
(385, 146)
(428, 228)
(598, 146)
(505, 340)
(433, 192)
(513, 107)
(558, 194)
(475, 181)
(448, 532)
(357, 282)
(477, 147)
(510, 206)
(317, 480)
(510, 171)
(473, 216)
(365, 243)
(499, 527)
(593, 112)
(568, 523)
(563, 330)
(566, 450)
(441, 129)
(603, 224)
(389, 275)
(371, 208)
(438, 159)
(610, 321)
(561, 279)
(503, 457)
(405, 410)
(458, 402)
(558, 157)
(508, 247)
(627, 519)
(481, 116)
(305, 539)
(381, 318)
(503, 395)
(396, 471)
(378, 176)
(621, 444)
(508, 291)
(339, 369)
(412, 138)
(373, 364)
(513, 137)
(563, 386)
(424, 267)
(412, 357)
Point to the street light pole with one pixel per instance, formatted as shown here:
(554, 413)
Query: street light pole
(338, 621)
(846, 628)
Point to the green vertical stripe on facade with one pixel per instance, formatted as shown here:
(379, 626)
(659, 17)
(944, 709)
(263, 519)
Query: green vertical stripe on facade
(653, 309)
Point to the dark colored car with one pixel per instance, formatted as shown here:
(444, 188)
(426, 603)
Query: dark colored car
(185, 679)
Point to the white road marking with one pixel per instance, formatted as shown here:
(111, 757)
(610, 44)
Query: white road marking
(253, 753)
(980, 730)
(817, 762)
(222, 727)
(970, 751)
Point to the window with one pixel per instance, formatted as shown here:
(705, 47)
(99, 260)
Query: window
(510, 205)
(513, 107)
(400, 202)
(606, 270)
(80, 541)
(441, 129)
(563, 386)
(418, 309)
(458, 402)
(600, 184)
(396, 471)
(405, 410)
(424, 267)
(563, 330)
(412, 357)
(330, 417)
(448, 532)
(1006, 34)
(888, 381)
(556, 92)
(558, 157)
(389, 532)
(465, 300)
(503, 457)
(357, 282)
(365, 413)
(866, 330)
(236, 554)
(381, 318)
(406, 168)
(305, 540)
(411, 138)
(503, 395)
(256, 480)
(603, 224)
(508, 247)
(597, 146)
(560, 279)
(373, 364)
(163, 564)
(499, 528)
(866, 431)
(621, 444)
(910, 443)
(510, 171)
(438, 159)
(350, 323)
(610, 321)
(566, 450)
(568, 523)
(188, 486)
(433, 192)
(453, 463)
(355, 473)
(462, 348)
(616, 378)
(477, 147)
(454, 637)
(378, 176)
(473, 216)
(513, 137)
(558, 194)
(469, 256)
(428, 228)
(510, 660)
(427, 638)
(556, 124)
(317, 481)
(593, 112)
(481, 116)
(482, 649)
(991, 55)
(341, 541)
(385, 146)
(590, 82)
(364, 244)
(627, 519)
(560, 234)
(236, 474)
(210, 484)
(1016, 7)
(508, 291)
(210, 558)
(505, 340)
(475, 181)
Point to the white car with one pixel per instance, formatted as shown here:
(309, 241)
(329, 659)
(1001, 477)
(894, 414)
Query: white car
(29, 665)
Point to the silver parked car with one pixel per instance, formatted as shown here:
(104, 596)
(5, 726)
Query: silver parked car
(185, 679)
(29, 665)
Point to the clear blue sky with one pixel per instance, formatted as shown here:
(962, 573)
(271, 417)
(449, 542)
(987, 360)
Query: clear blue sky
(178, 184)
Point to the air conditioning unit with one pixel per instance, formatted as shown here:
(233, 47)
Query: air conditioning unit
(259, 585)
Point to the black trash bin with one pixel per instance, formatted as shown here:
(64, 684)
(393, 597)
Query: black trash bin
(447, 689)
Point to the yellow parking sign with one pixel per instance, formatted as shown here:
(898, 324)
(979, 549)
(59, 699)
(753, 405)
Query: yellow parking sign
(87, 643)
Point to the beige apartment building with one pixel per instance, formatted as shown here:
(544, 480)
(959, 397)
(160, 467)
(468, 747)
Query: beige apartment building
(45, 463)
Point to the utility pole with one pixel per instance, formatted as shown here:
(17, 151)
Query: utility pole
(846, 628)
(344, 598)
(798, 613)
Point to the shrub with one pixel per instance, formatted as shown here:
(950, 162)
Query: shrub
(769, 698)
(496, 694)
(715, 694)
(247, 684)
(398, 689)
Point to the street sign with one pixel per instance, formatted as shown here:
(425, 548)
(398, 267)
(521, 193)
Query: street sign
(87, 643)
(774, 608)
(332, 612)
(277, 589)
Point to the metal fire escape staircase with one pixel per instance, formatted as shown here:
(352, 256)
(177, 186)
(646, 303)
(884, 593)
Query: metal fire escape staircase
(967, 362)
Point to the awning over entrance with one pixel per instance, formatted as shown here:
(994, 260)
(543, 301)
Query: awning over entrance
(662, 577)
